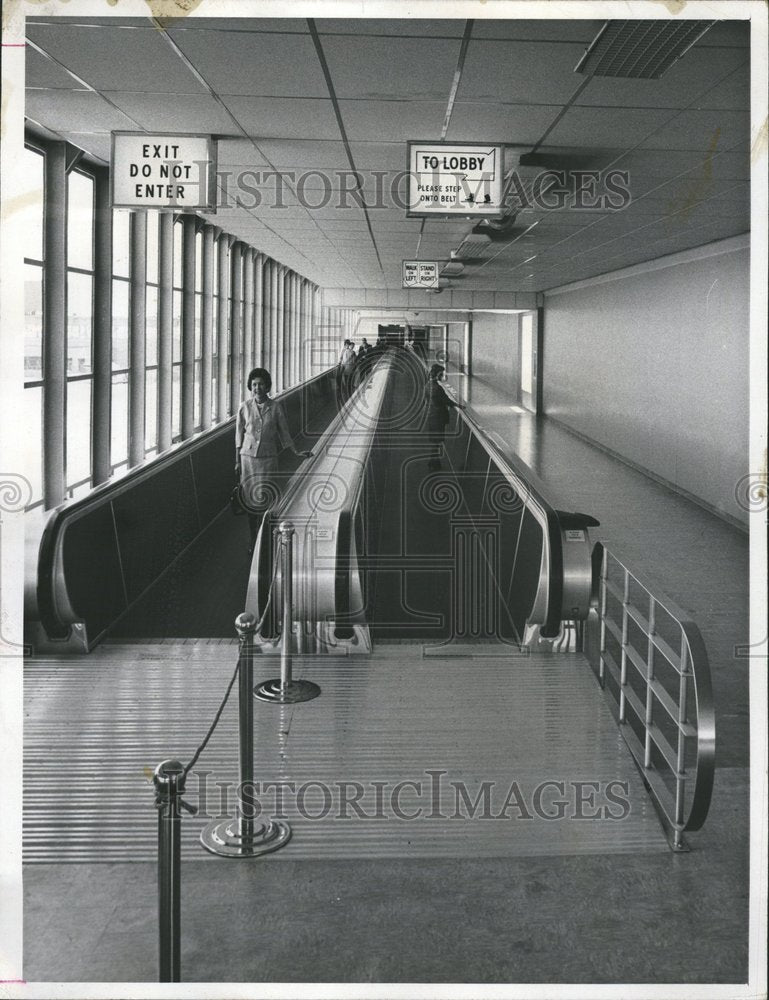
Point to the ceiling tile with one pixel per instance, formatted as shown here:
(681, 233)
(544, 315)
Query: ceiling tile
(294, 154)
(185, 113)
(571, 30)
(512, 123)
(283, 117)
(415, 27)
(107, 57)
(525, 72)
(704, 131)
(75, 111)
(365, 68)
(690, 79)
(270, 65)
(392, 120)
(626, 126)
(42, 72)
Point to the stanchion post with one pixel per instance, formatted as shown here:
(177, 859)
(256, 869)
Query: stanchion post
(243, 837)
(169, 780)
(285, 690)
(245, 624)
(287, 556)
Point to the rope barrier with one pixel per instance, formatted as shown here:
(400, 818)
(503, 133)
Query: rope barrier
(169, 783)
(221, 708)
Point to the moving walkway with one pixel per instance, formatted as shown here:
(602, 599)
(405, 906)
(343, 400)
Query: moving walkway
(471, 561)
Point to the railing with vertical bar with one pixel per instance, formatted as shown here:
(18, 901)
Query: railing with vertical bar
(661, 689)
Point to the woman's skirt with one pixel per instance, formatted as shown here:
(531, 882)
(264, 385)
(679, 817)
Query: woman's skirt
(260, 483)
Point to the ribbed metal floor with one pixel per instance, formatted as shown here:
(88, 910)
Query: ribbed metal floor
(97, 726)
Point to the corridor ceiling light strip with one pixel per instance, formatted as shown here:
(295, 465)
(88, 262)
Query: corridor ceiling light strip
(518, 237)
(450, 105)
(340, 123)
(457, 77)
(213, 94)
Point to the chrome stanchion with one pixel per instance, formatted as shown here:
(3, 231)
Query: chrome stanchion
(243, 837)
(169, 780)
(285, 690)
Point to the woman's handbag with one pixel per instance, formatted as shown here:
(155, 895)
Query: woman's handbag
(236, 500)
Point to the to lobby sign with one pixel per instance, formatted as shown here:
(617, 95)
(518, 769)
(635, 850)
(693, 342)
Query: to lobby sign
(461, 178)
(420, 274)
(163, 171)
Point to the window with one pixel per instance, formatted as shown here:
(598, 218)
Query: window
(34, 263)
(197, 377)
(80, 221)
(151, 307)
(60, 331)
(176, 337)
(121, 356)
(527, 347)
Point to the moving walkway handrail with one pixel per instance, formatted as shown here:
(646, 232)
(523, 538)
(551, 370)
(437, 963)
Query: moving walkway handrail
(691, 723)
(54, 605)
(325, 553)
(565, 580)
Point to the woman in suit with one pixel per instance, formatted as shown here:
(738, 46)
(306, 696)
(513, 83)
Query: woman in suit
(439, 405)
(261, 434)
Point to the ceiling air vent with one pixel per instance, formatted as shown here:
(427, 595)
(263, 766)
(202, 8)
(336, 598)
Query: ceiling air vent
(473, 245)
(639, 49)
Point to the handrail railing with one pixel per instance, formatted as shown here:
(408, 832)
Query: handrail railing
(322, 505)
(565, 578)
(57, 609)
(662, 692)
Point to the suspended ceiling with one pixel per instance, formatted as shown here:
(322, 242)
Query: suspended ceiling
(295, 96)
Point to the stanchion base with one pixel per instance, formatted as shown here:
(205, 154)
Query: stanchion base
(223, 837)
(293, 692)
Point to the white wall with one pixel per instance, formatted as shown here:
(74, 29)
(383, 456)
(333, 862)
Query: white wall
(652, 362)
(495, 351)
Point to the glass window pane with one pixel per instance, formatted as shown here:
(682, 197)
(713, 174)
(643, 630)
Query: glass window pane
(119, 442)
(152, 246)
(196, 396)
(120, 339)
(33, 322)
(33, 435)
(199, 262)
(176, 405)
(151, 326)
(121, 228)
(177, 255)
(32, 204)
(176, 328)
(198, 326)
(151, 410)
(79, 221)
(526, 349)
(79, 322)
(78, 431)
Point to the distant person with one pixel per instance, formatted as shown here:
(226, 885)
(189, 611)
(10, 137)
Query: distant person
(409, 345)
(345, 364)
(439, 405)
(261, 433)
(365, 362)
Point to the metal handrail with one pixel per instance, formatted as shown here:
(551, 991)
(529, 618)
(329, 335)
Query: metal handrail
(324, 586)
(692, 723)
(54, 605)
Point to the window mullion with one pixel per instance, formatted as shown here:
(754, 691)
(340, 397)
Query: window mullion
(55, 325)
